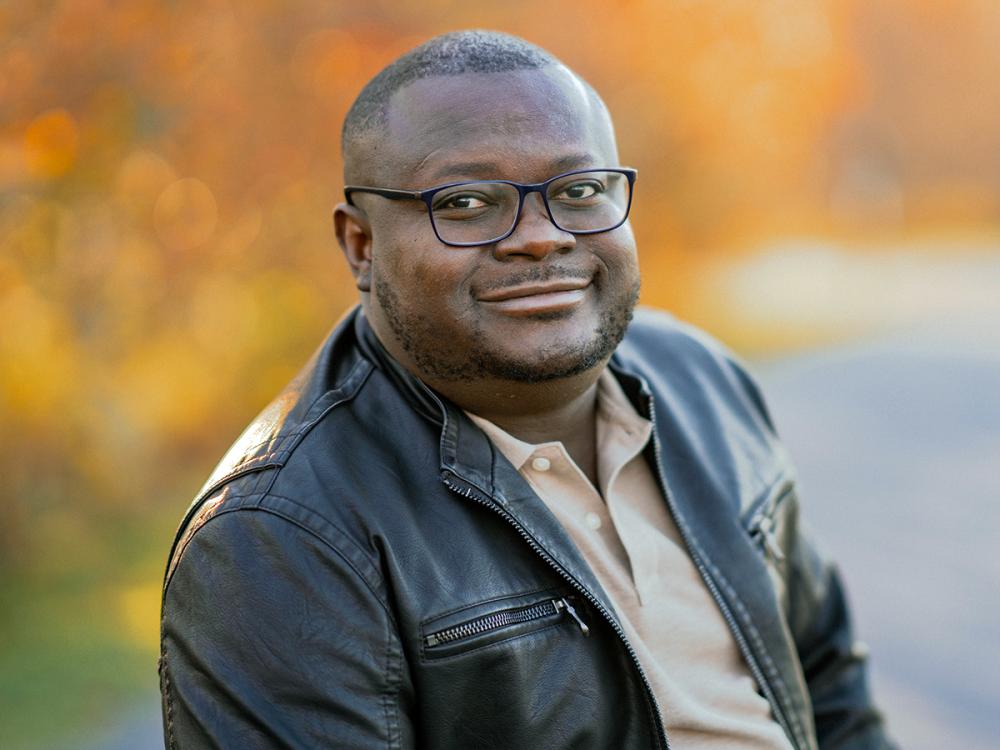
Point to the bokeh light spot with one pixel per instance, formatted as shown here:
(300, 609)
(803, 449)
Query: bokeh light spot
(323, 59)
(141, 179)
(185, 214)
(50, 144)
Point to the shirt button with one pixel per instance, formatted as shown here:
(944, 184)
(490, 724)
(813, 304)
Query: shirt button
(593, 521)
(541, 464)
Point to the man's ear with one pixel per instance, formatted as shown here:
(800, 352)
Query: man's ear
(354, 233)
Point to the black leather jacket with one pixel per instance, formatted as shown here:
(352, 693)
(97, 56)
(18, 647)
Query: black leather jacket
(365, 570)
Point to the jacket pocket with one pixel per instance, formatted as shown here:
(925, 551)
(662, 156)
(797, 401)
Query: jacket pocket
(765, 520)
(769, 524)
(501, 620)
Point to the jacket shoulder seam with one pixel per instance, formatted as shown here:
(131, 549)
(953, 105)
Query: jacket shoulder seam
(372, 578)
(318, 409)
(273, 460)
(236, 488)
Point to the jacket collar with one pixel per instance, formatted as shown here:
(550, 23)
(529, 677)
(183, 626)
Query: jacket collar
(418, 395)
(465, 450)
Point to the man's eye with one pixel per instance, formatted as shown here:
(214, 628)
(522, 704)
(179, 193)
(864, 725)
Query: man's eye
(460, 202)
(581, 190)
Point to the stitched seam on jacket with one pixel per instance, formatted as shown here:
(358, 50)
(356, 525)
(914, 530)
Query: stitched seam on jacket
(312, 532)
(769, 665)
(258, 486)
(388, 704)
(772, 669)
(283, 440)
(244, 470)
(372, 579)
(194, 523)
(166, 688)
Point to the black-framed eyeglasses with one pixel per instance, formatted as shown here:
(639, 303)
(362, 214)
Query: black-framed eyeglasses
(467, 214)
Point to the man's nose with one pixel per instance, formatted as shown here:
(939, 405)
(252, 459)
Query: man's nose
(535, 235)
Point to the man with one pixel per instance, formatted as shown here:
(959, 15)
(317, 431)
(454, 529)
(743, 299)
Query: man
(491, 512)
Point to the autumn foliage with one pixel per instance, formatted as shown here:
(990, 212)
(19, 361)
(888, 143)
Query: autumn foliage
(167, 173)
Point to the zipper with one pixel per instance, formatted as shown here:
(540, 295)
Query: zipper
(503, 619)
(564, 604)
(713, 587)
(762, 530)
(483, 499)
(762, 527)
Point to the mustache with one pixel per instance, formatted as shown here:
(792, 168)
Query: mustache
(538, 274)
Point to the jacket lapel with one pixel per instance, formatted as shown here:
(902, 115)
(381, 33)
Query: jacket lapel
(706, 506)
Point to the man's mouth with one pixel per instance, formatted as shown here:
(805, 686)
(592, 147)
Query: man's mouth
(537, 297)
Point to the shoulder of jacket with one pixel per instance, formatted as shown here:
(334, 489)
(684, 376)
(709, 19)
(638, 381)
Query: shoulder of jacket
(280, 523)
(332, 377)
(272, 436)
(657, 335)
(662, 348)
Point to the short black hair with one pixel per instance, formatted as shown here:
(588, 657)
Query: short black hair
(472, 51)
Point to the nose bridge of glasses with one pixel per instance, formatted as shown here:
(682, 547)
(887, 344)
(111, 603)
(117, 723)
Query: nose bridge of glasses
(535, 230)
(534, 201)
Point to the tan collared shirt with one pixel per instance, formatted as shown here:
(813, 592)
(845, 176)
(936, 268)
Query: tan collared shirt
(627, 536)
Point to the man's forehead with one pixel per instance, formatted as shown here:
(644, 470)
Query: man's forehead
(439, 127)
(522, 90)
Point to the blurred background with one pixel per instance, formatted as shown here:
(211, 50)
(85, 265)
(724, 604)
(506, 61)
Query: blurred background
(818, 187)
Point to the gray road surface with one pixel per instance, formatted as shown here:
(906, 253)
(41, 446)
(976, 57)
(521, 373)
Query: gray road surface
(897, 443)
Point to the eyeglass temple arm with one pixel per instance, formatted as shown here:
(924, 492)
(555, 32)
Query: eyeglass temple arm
(395, 195)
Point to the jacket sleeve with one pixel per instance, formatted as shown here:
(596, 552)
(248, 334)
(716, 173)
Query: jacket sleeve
(271, 637)
(835, 665)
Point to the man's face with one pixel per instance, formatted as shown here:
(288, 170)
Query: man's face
(462, 313)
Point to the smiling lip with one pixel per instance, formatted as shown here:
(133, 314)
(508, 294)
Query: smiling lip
(530, 299)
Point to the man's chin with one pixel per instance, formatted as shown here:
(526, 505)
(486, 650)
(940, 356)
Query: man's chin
(544, 358)
(540, 370)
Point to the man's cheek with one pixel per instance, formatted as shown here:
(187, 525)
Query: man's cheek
(396, 263)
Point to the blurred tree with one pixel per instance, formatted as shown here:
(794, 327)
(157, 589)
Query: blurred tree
(167, 172)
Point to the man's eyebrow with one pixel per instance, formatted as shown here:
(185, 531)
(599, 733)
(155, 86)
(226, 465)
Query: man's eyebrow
(476, 168)
(575, 161)
(490, 170)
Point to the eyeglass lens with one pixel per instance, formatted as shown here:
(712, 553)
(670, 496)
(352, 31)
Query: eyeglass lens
(481, 212)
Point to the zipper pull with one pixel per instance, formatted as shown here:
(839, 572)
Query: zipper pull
(766, 530)
(561, 604)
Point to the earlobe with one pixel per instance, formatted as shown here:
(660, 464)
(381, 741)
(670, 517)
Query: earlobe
(354, 235)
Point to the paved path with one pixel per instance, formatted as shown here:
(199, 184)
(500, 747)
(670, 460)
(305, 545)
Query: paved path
(898, 448)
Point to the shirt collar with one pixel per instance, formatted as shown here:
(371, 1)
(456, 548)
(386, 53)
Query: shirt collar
(517, 451)
(614, 410)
